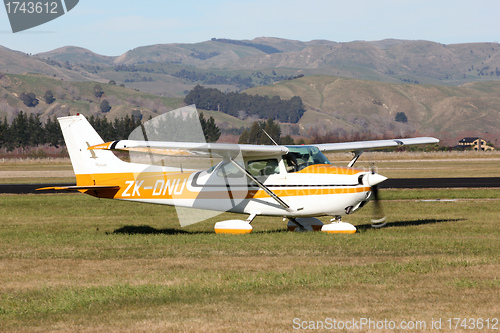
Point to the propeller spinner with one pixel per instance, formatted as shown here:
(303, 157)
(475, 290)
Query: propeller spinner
(373, 179)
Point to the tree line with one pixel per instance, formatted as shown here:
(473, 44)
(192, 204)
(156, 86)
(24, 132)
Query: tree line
(242, 105)
(265, 133)
(28, 130)
(210, 78)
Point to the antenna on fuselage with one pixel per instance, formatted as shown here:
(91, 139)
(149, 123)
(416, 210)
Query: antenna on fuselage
(263, 130)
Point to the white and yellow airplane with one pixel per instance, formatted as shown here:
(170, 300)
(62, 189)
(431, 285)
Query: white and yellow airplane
(297, 183)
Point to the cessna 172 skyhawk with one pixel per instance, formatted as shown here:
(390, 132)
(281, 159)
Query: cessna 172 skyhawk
(295, 182)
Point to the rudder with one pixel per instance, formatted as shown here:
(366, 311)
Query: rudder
(79, 135)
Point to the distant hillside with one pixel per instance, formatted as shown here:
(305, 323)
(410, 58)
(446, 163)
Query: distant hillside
(73, 54)
(15, 62)
(332, 104)
(264, 60)
(340, 104)
(210, 54)
(77, 97)
(450, 90)
(387, 60)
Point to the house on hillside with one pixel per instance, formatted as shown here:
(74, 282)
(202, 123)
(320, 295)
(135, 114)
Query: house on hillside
(474, 144)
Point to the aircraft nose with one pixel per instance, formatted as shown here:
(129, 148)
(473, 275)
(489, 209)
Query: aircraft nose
(372, 179)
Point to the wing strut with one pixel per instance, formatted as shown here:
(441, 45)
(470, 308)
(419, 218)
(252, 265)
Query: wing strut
(262, 186)
(357, 154)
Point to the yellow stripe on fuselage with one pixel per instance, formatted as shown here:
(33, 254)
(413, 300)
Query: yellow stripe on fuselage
(329, 169)
(158, 185)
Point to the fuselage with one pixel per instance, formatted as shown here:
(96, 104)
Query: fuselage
(309, 185)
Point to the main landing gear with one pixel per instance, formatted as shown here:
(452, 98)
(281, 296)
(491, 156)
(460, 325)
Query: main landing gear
(338, 227)
(235, 227)
(313, 224)
(238, 227)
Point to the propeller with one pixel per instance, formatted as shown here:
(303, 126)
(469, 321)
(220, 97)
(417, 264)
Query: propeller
(378, 220)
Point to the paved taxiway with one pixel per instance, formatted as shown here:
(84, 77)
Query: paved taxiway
(472, 182)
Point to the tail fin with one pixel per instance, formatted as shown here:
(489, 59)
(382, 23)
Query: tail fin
(79, 135)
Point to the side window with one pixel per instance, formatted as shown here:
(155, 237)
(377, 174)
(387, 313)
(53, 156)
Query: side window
(301, 157)
(263, 167)
(230, 171)
(290, 165)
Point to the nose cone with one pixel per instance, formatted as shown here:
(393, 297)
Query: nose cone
(373, 179)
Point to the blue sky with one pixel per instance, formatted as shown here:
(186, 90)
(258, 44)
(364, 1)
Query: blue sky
(112, 27)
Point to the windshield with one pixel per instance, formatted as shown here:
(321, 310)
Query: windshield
(300, 157)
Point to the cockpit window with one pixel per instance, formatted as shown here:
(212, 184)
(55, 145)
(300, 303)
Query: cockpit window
(300, 157)
(263, 167)
(229, 170)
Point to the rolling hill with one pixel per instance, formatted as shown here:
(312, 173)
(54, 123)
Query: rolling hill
(15, 62)
(74, 54)
(77, 97)
(445, 90)
(336, 104)
(333, 104)
(265, 60)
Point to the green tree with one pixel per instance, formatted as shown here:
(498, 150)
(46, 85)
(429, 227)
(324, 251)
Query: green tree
(98, 92)
(129, 124)
(287, 140)
(29, 99)
(4, 129)
(19, 135)
(35, 133)
(53, 133)
(244, 137)
(401, 117)
(235, 104)
(48, 97)
(255, 134)
(105, 107)
(106, 129)
(273, 130)
(210, 129)
(301, 142)
(136, 114)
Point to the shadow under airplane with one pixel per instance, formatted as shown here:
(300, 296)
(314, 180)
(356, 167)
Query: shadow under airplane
(147, 230)
(364, 227)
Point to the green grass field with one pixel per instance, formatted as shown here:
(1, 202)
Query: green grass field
(73, 263)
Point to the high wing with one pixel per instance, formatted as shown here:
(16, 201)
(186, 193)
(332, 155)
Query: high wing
(192, 149)
(232, 150)
(359, 147)
(374, 144)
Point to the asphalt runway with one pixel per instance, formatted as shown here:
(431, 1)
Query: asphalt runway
(472, 182)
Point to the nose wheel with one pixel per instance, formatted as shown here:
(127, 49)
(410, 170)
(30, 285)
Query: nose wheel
(304, 224)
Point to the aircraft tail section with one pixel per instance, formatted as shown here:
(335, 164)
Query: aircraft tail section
(79, 135)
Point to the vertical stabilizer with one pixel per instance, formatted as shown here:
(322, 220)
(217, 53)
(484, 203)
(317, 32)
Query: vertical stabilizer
(79, 135)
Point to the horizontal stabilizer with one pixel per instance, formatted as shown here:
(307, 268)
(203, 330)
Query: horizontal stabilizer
(79, 188)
